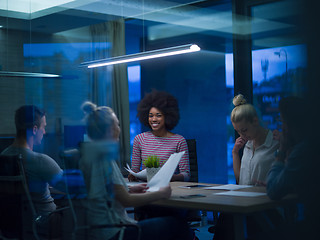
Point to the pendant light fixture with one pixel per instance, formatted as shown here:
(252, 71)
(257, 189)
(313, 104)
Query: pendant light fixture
(28, 74)
(188, 48)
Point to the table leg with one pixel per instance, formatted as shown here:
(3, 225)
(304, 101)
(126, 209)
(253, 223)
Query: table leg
(239, 221)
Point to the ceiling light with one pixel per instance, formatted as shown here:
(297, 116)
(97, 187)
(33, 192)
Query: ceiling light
(143, 56)
(27, 74)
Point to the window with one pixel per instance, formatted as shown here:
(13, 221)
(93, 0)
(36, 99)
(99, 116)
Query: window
(134, 77)
(277, 72)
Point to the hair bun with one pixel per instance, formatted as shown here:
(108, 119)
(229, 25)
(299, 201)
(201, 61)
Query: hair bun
(239, 100)
(88, 107)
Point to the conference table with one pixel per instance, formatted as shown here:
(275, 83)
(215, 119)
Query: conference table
(223, 198)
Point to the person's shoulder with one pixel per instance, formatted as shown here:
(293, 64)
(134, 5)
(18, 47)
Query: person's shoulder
(144, 135)
(178, 137)
(270, 140)
(13, 150)
(41, 157)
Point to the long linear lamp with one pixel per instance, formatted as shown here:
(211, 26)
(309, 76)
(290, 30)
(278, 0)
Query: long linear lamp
(188, 48)
(28, 74)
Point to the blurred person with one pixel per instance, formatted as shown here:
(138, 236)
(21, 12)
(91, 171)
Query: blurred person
(159, 111)
(102, 124)
(41, 170)
(295, 170)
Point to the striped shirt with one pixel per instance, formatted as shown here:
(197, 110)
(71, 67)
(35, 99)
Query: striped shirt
(146, 144)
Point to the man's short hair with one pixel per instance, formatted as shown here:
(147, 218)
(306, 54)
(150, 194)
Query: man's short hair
(26, 117)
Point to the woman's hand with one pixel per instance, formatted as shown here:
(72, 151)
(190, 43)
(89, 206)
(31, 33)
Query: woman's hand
(132, 178)
(177, 177)
(240, 142)
(259, 183)
(139, 188)
(165, 192)
(277, 135)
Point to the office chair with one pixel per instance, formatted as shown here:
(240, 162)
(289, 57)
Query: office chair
(15, 198)
(17, 211)
(193, 216)
(82, 207)
(5, 141)
(196, 218)
(193, 160)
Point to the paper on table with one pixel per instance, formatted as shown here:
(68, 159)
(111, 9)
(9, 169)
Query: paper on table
(141, 175)
(241, 194)
(228, 187)
(164, 175)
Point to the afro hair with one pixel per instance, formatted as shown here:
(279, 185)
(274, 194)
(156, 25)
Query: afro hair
(163, 101)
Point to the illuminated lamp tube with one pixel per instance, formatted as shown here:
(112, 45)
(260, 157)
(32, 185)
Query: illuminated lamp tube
(142, 56)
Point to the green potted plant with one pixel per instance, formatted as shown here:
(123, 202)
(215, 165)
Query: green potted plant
(152, 164)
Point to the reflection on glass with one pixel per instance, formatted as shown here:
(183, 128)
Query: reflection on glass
(277, 72)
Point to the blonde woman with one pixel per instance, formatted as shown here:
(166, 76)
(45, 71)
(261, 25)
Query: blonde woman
(258, 143)
(259, 147)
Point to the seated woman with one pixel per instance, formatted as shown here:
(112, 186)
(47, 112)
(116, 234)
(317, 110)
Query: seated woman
(102, 125)
(258, 155)
(258, 143)
(160, 112)
(296, 168)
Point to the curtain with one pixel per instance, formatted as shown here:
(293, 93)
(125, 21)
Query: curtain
(110, 84)
(100, 77)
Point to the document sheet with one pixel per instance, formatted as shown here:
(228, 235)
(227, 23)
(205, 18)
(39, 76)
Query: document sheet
(163, 177)
(141, 175)
(241, 194)
(228, 187)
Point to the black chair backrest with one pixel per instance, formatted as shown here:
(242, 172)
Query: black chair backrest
(192, 148)
(13, 193)
(11, 180)
(5, 141)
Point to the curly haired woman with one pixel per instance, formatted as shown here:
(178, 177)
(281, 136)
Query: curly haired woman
(159, 111)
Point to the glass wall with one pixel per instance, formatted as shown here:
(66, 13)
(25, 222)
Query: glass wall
(277, 72)
(41, 38)
(134, 79)
(56, 39)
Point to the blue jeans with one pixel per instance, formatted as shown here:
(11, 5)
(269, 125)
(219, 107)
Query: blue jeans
(160, 228)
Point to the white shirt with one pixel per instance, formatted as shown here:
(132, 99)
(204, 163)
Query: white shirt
(256, 165)
(100, 173)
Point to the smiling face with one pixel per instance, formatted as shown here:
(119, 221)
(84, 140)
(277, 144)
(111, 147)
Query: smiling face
(247, 130)
(156, 119)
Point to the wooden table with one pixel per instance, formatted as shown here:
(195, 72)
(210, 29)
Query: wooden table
(239, 207)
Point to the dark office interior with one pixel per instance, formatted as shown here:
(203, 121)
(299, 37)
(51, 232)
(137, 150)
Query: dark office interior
(264, 49)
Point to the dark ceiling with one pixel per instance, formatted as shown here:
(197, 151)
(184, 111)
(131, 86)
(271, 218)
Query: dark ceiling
(165, 20)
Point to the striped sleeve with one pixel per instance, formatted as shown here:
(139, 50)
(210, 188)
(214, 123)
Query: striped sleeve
(184, 164)
(136, 154)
